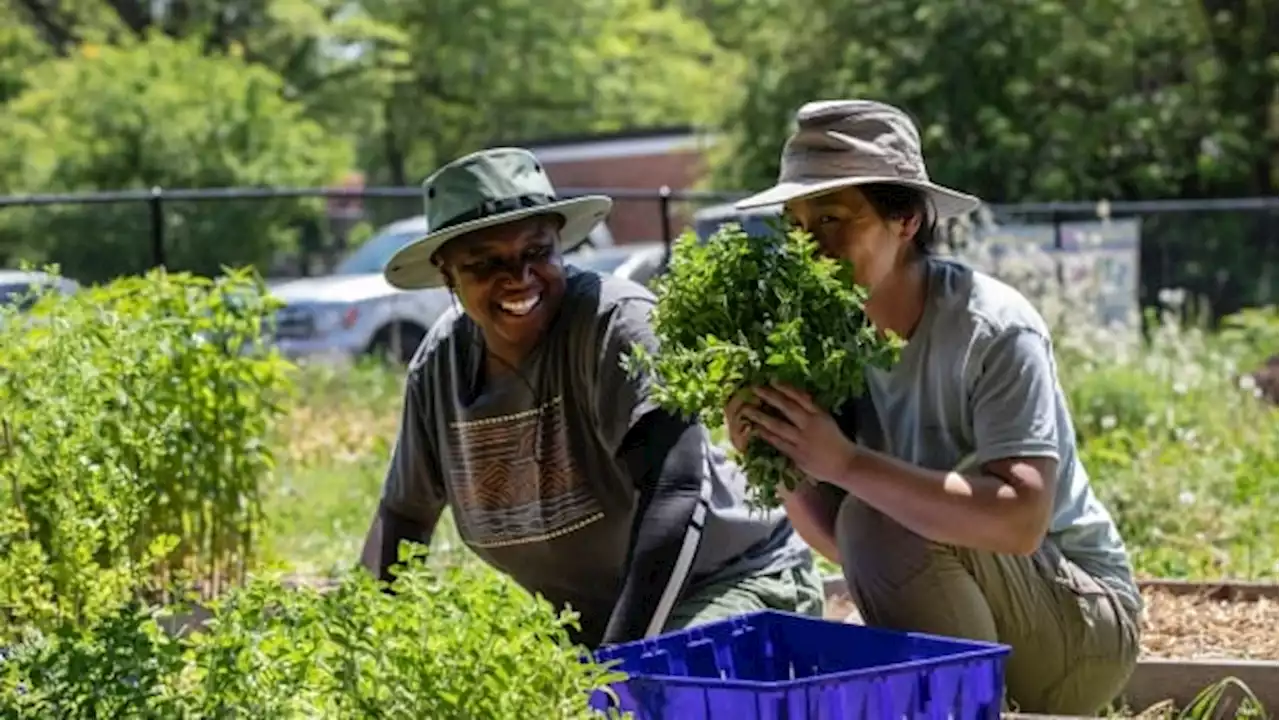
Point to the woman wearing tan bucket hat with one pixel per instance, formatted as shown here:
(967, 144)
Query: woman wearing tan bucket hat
(954, 498)
(557, 467)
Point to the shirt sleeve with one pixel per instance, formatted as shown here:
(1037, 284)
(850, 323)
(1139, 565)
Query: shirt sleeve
(1014, 399)
(622, 400)
(413, 495)
(665, 458)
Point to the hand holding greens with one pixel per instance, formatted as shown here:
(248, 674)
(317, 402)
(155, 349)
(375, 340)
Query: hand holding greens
(739, 311)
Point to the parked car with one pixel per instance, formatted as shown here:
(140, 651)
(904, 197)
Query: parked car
(640, 262)
(354, 311)
(22, 287)
(754, 220)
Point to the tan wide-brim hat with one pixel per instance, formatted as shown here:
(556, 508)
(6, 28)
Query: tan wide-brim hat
(481, 190)
(846, 143)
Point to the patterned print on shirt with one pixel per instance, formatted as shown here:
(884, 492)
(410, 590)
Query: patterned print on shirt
(513, 480)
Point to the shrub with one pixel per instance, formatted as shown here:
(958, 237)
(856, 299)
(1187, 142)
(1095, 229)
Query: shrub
(459, 643)
(133, 434)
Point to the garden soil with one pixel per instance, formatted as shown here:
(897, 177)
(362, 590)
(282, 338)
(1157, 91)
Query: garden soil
(1183, 626)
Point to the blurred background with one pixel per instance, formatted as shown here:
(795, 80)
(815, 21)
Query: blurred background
(284, 134)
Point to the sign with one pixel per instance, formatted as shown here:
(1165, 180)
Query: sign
(1099, 257)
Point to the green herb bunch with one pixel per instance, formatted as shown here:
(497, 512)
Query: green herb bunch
(739, 311)
(455, 643)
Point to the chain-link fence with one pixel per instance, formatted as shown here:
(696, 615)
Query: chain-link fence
(1223, 251)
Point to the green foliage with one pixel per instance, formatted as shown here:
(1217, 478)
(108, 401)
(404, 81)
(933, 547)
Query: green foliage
(156, 113)
(1034, 100)
(19, 49)
(455, 643)
(1252, 335)
(1046, 100)
(1185, 458)
(738, 312)
(515, 70)
(133, 438)
(1227, 695)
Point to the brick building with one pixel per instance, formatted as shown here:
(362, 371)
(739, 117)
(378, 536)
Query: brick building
(637, 160)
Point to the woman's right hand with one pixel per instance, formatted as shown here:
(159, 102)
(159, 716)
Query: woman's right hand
(738, 425)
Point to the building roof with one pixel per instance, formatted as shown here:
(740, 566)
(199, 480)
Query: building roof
(628, 134)
(626, 143)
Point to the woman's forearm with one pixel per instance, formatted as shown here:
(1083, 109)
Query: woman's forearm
(977, 510)
(814, 522)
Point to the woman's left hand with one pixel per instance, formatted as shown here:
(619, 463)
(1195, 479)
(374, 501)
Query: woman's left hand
(805, 433)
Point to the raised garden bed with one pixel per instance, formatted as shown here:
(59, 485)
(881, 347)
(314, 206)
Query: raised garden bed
(1194, 635)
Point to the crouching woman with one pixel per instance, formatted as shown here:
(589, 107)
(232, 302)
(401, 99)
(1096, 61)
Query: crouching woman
(955, 499)
(558, 468)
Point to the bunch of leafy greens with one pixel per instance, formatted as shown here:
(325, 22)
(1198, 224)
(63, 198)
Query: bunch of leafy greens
(739, 311)
(452, 642)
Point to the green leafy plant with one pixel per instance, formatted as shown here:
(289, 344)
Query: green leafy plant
(133, 419)
(461, 642)
(739, 311)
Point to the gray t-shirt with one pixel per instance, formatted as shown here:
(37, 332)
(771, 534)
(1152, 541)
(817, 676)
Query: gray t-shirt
(529, 463)
(978, 382)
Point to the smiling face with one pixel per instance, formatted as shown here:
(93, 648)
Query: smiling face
(510, 280)
(877, 237)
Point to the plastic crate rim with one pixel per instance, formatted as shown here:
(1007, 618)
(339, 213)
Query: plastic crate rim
(986, 654)
(745, 620)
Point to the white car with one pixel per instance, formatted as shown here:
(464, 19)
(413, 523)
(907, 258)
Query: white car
(355, 312)
(640, 262)
(21, 287)
(754, 220)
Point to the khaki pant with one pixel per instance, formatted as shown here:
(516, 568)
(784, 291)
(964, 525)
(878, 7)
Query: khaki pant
(797, 590)
(1074, 644)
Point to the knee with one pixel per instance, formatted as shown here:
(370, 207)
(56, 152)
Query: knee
(876, 551)
(902, 581)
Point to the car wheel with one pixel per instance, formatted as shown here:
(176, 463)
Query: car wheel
(397, 342)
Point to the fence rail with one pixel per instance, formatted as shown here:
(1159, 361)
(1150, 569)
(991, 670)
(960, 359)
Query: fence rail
(1234, 229)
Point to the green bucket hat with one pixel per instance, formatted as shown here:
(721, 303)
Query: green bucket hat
(480, 190)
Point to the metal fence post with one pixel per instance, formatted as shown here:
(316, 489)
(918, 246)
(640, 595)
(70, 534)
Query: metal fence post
(664, 206)
(1058, 245)
(156, 204)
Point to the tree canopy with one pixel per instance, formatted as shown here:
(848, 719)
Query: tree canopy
(1018, 101)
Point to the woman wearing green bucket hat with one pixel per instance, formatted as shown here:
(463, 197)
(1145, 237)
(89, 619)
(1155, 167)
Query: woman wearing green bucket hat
(953, 495)
(557, 467)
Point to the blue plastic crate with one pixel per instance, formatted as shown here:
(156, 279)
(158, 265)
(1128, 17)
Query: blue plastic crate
(780, 666)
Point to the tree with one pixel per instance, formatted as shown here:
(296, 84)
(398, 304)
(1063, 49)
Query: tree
(412, 84)
(329, 54)
(1042, 100)
(1037, 99)
(509, 70)
(156, 112)
(20, 48)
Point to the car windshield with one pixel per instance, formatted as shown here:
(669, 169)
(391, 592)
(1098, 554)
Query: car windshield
(375, 253)
(755, 225)
(24, 295)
